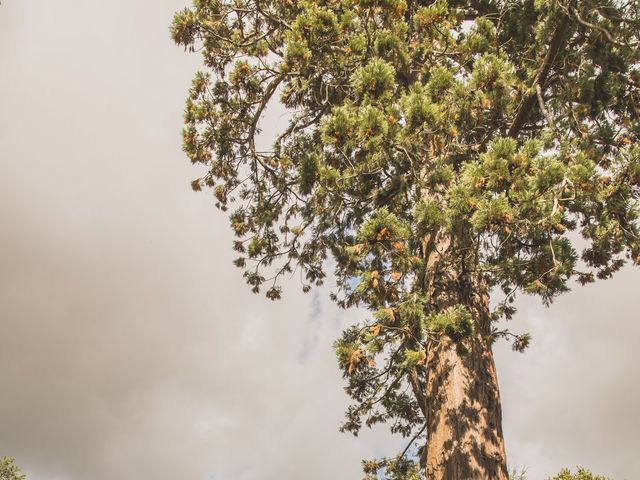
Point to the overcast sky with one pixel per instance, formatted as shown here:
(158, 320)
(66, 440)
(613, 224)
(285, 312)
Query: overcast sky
(130, 348)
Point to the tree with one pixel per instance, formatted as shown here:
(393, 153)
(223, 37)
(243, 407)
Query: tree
(9, 471)
(437, 154)
(581, 474)
(565, 474)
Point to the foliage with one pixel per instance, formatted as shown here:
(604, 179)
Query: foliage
(9, 471)
(514, 474)
(581, 474)
(511, 127)
(565, 474)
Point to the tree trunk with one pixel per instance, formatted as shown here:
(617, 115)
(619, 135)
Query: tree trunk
(464, 418)
(464, 440)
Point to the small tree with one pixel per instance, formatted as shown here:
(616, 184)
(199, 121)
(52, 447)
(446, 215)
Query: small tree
(581, 474)
(440, 153)
(9, 471)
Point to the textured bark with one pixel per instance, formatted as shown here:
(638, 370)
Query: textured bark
(464, 419)
(464, 440)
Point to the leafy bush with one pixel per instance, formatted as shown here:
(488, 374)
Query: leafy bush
(565, 474)
(8, 470)
(581, 474)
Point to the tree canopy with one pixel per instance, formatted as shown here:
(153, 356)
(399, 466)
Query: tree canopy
(506, 129)
(9, 471)
(581, 474)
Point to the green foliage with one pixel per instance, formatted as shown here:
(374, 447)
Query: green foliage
(9, 471)
(581, 474)
(509, 129)
(565, 474)
(455, 322)
(397, 468)
(375, 81)
(514, 474)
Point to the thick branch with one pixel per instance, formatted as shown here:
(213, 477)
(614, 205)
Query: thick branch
(270, 90)
(540, 79)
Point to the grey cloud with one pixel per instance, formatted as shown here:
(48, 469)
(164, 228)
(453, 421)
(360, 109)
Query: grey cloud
(129, 345)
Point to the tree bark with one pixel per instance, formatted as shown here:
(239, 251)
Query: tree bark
(464, 418)
(464, 439)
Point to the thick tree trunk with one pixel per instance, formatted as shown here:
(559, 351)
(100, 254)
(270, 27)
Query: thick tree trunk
(464, 440)
(464, 418)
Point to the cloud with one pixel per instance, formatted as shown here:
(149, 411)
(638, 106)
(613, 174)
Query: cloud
(130, 346)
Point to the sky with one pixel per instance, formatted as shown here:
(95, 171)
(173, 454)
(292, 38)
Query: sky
(130, 346)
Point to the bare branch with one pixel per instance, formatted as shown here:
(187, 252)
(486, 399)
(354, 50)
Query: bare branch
(543, 107)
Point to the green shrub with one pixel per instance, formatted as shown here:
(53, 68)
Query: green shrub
(581, 474)
(565, 474)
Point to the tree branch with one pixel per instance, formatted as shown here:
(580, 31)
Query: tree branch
(415, 437)
(540, 78)
(593, 26)
(543, 108)
(417, 391)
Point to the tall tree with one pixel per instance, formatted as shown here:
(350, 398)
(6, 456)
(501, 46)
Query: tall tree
(436, 155)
